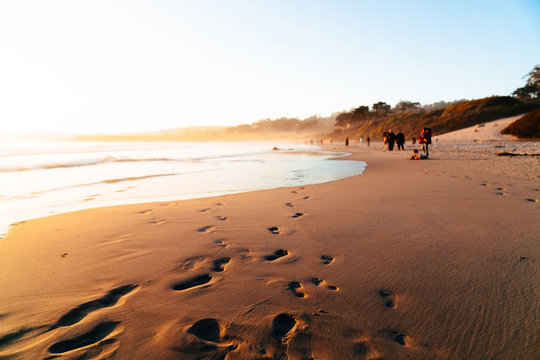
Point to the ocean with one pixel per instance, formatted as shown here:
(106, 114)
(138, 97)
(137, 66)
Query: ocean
(39, 179)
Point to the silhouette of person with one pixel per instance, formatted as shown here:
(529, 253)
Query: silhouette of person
(390, 140)
(425, 140)
(400, 140)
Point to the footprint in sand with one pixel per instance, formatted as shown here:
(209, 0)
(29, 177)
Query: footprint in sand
(283, 325)
(192, 262)
(221, 243)
(222, 218)
(193, 282)
(389, 297)
(396, 336)
(276, 255)
(306, 197)
(297, 215)
(289, 204)
(207, 341)
(148, 211)
(100, 332)
(274, 230)
(207, 329)
(207, 229)
(532, 200)
(158, 221)
(10, 338)
(219, 264)
(317, 282)
(502, 193)
(75, 315)
(219, 204)
(294, 286)
(362, 349)
(245, 254)
(294, 192)
(327, 259)
(205, 210)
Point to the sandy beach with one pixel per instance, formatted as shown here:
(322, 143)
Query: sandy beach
(435, 259)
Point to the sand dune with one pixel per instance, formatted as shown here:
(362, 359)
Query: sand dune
(435, 259)
(489, 131)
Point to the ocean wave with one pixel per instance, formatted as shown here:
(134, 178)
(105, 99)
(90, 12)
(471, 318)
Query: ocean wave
(106, 181)
(111, 159)
(78, 164)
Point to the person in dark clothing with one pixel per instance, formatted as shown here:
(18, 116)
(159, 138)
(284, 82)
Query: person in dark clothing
(425, 140)
(368, 140)
(400, 140)
(347, 141)
(390, 140)
(414, 140)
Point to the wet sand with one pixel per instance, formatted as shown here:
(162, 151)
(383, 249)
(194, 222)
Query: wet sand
(435, 259)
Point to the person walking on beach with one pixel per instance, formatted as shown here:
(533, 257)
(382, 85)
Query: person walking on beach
(368, 140)
(390, 140)
(414, 140)
(347, 141)
(425, 140)
(400, 140)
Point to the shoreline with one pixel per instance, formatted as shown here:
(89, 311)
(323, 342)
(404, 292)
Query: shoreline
(410, 260)
(169, 177)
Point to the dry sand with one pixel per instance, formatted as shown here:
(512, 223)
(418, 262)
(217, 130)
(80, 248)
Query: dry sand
(489, 131)
(435, 259)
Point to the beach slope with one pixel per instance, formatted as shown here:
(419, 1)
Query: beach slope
(435, 259)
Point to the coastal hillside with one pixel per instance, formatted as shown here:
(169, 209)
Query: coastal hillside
(453, 117)
(363, 121)
(527, 127)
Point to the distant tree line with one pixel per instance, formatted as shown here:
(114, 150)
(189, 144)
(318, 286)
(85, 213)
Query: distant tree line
(312, 124)
(364, 114)
(410, 116)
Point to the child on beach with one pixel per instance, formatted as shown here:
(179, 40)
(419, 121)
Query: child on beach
(417, 156)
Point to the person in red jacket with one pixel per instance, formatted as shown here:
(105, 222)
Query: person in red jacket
(425, 140)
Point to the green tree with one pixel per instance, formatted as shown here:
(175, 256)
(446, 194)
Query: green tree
(531, 90)
(407, 107)
(360, 113)
(381, 108)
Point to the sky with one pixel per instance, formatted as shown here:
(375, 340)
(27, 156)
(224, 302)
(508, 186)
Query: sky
(106, 66)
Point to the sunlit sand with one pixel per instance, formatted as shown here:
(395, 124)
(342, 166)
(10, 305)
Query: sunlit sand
(432, 259)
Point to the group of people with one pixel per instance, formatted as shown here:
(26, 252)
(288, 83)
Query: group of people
(392, 139)
(368, 140)
(398, 139)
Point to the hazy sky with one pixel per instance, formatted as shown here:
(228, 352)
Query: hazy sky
(110, 66)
